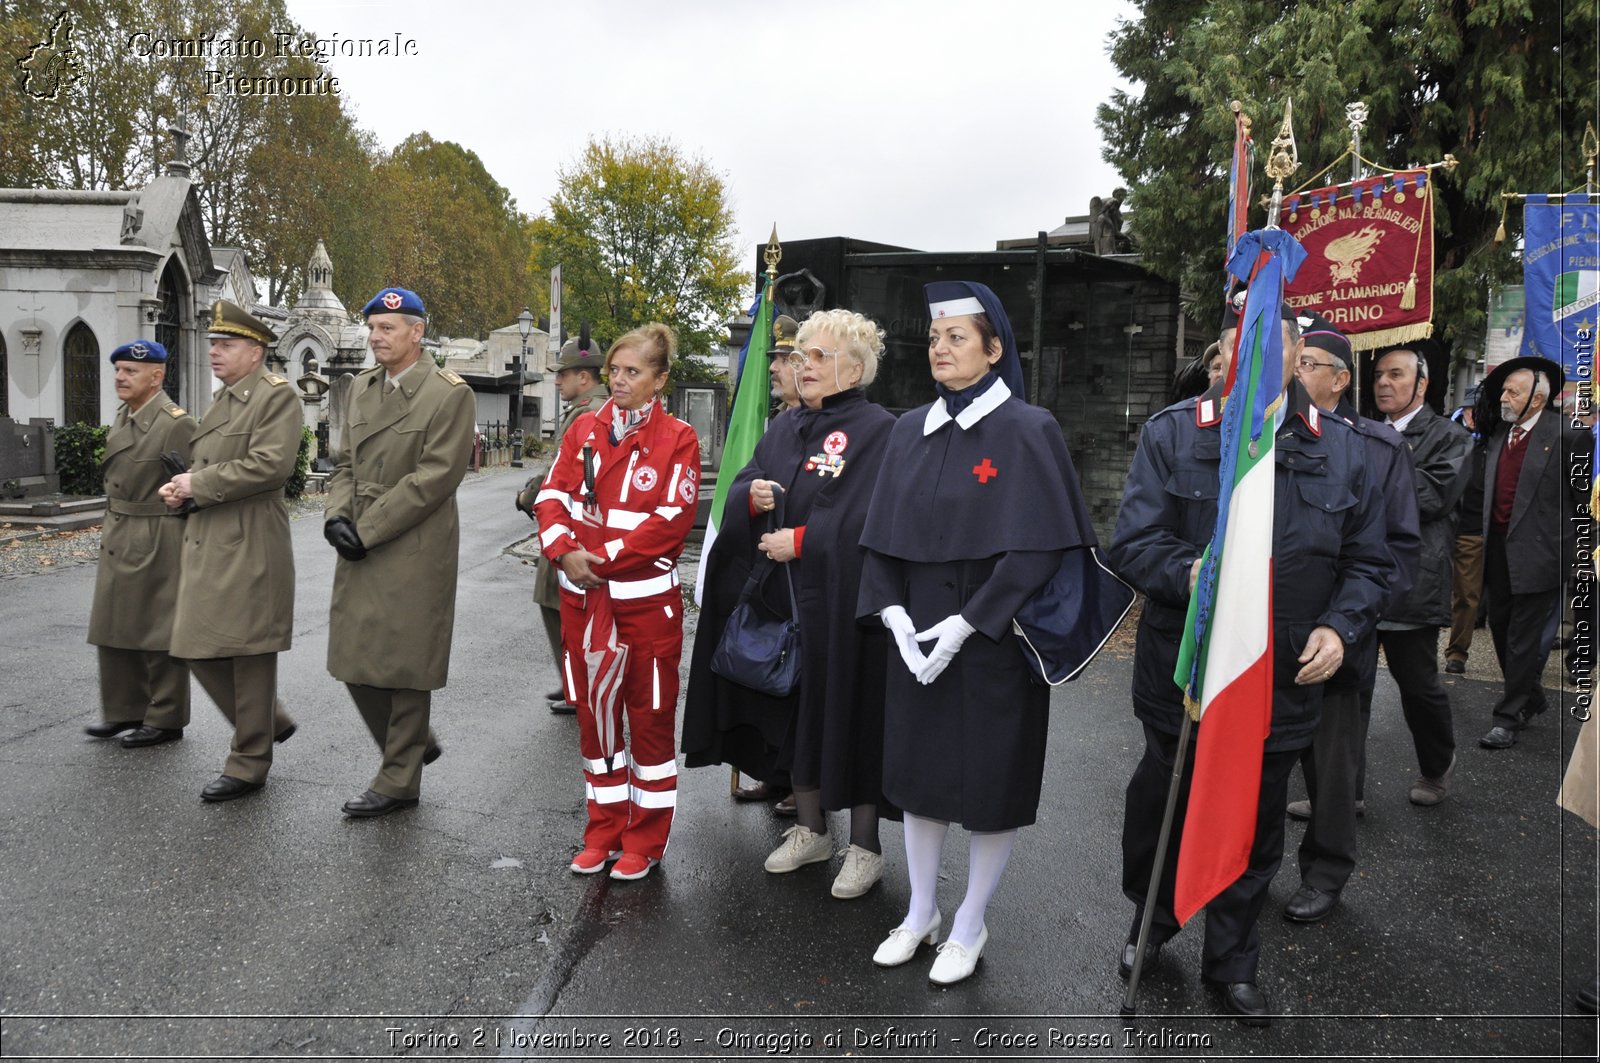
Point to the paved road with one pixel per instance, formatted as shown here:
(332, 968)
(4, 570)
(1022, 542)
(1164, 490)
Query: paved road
(138, 920)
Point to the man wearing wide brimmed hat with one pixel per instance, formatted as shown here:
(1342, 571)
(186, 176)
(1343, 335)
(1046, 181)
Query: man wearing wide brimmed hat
(1527, 499)
(578, 369)
(235, 608)
(143, 689)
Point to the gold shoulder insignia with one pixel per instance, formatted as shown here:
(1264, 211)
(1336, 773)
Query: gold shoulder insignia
(275, 380)
(177, 411)
(450, 375)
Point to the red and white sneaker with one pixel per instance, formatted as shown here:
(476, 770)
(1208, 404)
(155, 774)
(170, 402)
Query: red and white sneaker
(632, 866)
(592, 861)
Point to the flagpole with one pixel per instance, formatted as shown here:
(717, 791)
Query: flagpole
(1282, 161)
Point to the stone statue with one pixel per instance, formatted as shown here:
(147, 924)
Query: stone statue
(132, 221)
(1105, 224)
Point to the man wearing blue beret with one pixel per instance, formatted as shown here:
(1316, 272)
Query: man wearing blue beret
(392, 518)
(143, 689)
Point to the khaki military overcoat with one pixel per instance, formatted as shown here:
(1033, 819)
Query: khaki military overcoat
(136, 584)
(236, 591)
(395, 478)
(546, 591)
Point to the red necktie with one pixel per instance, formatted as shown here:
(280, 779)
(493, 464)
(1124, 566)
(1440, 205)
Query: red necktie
(1517, 432)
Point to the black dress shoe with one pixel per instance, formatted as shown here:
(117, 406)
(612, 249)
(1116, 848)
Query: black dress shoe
(226, 788)
(1498, 738)
(1152, 956)
(563, 708)
(1247, 1002)
(1455, 667)
(1310, 905)
(152, 736)
(556, 695)
(372, 803)
(1587, 999)
(432, 753)
(287, 733)
(111, 730)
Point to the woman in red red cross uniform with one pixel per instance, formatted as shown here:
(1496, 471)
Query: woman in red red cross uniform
(613, 514)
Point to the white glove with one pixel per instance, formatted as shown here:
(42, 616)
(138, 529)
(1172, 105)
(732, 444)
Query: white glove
(951, 632)
(904, 633)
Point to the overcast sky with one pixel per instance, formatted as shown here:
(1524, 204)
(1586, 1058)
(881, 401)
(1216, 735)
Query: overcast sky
(936, 125)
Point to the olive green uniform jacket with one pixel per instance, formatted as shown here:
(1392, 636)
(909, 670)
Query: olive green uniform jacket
(136, 585)
(236, 592)
(546, 591)
(395, 478)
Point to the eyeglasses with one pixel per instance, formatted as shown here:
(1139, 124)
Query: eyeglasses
(1309, 364)
(812, 354)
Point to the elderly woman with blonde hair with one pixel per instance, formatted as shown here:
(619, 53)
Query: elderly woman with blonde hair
(797, 511)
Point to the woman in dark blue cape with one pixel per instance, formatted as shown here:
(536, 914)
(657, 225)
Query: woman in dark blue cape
(974, 509)
(824, 459)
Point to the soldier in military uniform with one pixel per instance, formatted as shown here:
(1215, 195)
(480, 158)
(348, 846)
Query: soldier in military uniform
(142, 687)
(392, 517)
(578, 379)
(235, 608)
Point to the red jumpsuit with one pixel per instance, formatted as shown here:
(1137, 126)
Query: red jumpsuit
(646, 488)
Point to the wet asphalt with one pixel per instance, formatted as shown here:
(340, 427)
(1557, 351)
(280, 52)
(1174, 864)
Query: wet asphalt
(136, 920)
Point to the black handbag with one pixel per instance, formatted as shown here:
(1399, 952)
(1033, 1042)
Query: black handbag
(759, 651)
(1063, 626)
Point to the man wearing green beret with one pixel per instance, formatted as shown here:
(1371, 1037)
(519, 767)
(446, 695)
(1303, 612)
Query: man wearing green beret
(392, 518)
(578, 372)
(235, 608)
(143, 688)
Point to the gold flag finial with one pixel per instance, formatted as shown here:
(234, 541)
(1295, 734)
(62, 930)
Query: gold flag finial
(773, 254)
(1237, 107)
(1284, 158)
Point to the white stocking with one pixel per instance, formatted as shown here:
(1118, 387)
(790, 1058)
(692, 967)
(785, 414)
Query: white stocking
(988, 852)
(924, 846)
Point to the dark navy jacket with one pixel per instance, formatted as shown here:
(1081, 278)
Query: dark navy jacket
(1330, 566)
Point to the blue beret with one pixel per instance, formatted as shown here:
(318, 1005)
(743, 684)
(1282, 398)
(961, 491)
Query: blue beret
(395, 301)
(139, 351)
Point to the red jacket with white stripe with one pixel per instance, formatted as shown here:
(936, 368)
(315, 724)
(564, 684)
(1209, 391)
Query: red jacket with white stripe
(647, 487)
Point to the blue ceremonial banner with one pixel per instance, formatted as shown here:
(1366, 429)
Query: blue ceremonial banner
(1561, 280)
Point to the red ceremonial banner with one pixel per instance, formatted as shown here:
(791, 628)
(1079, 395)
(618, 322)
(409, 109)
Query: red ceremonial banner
(1369, 257)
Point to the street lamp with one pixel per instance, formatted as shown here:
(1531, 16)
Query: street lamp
(524, 326)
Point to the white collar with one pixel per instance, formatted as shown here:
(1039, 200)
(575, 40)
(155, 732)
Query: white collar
(1399, 423)
(981, 406)
(1527, 426)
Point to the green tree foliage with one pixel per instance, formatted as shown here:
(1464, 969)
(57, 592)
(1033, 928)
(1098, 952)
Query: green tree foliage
(453, 233)
(643, 233)
(1504, 85)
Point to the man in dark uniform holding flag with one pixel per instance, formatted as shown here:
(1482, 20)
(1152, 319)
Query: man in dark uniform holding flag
(1329, 573)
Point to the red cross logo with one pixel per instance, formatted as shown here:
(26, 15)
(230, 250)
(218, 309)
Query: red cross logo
(393, 300)
(985, 471)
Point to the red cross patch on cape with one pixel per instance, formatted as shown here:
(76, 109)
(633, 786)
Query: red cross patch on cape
(835, 443)
(644, 479)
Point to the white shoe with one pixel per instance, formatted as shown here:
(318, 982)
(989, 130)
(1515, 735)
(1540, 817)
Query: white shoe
(955, 961)
(801, 846)
(902, 942)
(861, 871)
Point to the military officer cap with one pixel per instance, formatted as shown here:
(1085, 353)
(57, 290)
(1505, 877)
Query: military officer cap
(784, 330)
(1234, 306)
(580, 353)
(395, 301)
(1322, 334)
(139, 351)
(229, 319)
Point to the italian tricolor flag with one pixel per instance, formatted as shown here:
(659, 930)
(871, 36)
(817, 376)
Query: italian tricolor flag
(1225, 661)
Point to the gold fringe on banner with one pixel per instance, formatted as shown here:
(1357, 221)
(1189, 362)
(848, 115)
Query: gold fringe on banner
(1366, 341)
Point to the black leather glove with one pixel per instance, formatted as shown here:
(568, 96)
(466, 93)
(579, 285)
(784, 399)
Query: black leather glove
(525, 497)
(341, 535)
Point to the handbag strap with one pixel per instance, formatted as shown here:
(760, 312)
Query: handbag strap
(759, 571)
